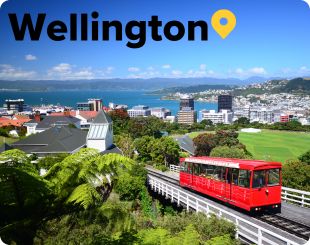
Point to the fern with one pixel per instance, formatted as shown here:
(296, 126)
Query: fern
(85, 195)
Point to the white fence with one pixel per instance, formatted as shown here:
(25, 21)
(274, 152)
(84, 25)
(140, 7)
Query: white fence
(245, 228)
(299, 197)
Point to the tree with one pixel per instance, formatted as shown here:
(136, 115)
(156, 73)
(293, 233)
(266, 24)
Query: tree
(305, 158)
(126, 144)
(296, 174)
(207, 122)
(145, 126)
(120, 120)
(229, 152)
(49, 161)
(130, 184)
(165, 151)
(242, 121)
(204, 143)
(143, 146)
(24, 196)
(86, 178)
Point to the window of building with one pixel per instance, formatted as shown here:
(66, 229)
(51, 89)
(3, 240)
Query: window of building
(273, 176)
(259, 179)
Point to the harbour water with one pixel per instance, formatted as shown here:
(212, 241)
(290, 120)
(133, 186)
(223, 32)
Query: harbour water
(70, 98)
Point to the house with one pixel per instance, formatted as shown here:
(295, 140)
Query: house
(60, 138)
(15, 121)
(57, 139)
(36, 126)
(100, 134)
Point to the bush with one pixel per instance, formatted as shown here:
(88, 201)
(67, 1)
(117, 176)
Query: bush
(229, 152)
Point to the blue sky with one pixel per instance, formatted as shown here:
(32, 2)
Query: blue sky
(271, 38)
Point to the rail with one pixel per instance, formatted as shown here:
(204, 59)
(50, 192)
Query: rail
(245, 229)
(299, 197)
(290, 195)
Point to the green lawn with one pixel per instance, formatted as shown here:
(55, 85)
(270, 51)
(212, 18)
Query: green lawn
(276, 145)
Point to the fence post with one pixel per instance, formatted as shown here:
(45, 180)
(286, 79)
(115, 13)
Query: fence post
(178, 197)
(187, 203)
(260, 237)
(237, 229)
(303, 200)
(197, 206)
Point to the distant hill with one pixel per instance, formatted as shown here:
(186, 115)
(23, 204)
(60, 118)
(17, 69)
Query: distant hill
(297, 85)
(194, 89)
(294, 86)
(119, 84)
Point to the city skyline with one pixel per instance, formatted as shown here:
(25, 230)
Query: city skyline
(270, 40)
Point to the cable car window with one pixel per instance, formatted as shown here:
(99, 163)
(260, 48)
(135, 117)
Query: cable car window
(183, 167)
(234, 176)
(196, 168)
(244, 178)
(203, 170)
(259, 179)
(273, 177)
(219, 173)
(209, 171)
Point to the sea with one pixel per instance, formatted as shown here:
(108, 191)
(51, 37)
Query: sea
(70, 98)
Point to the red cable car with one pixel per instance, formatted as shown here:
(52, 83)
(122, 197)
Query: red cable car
(252, 185)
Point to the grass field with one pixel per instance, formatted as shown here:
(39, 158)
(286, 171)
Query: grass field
(274, 145)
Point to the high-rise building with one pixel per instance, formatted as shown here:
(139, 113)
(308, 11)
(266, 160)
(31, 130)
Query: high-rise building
(16, 106)
(224, 102)
(187, 102)
(95, 104)
(91, 105)
(187, 114)
(187, 117)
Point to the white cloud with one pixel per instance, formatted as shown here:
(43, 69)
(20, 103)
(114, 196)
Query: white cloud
(10, 72)
(167, 66)
(133, 69)
(65, 71)
(176, 73)
(258, 71)
(30, 57)
(243, 73)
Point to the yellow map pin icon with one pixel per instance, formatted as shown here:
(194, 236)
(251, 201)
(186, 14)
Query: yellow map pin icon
(224, 30)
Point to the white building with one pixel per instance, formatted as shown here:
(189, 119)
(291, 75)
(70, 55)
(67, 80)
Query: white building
(139, 111)
(160, 112)
(261, 115)
(100, 134)
(224, 116)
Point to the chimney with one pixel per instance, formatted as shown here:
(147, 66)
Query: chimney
(67, 113)
(37, 116)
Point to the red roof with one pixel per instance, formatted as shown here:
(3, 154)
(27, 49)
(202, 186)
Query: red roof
(66, 113)
(13, 122)
(88, 114)
(237, 163)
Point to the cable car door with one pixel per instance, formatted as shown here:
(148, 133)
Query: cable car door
(228, 184)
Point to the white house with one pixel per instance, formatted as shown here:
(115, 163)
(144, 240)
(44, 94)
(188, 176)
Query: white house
(100, 134)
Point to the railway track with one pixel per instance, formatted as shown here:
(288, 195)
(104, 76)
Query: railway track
(290, 226)
(285, 224)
